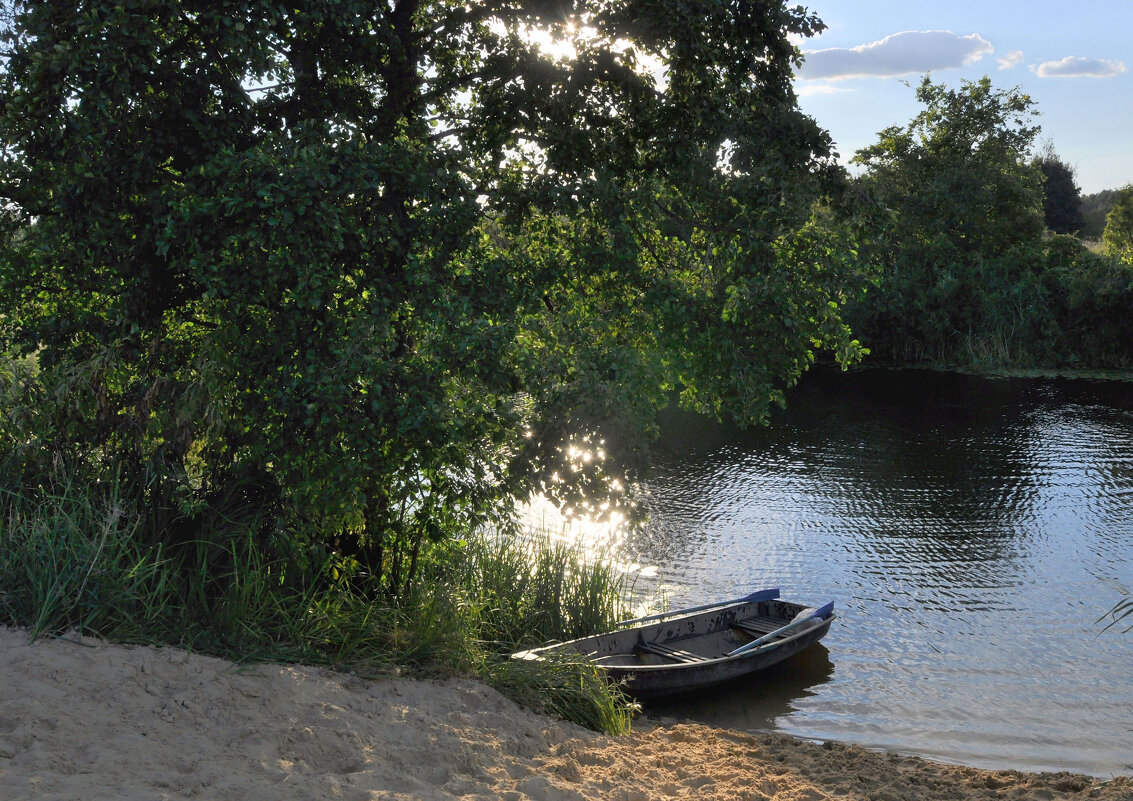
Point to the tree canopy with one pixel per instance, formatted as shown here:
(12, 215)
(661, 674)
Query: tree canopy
(379, 269)
(1118, 234)
(1062, 199)
(962, 198)
(959, 172)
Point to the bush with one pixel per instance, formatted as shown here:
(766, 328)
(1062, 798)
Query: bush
(1094, 294)
(1053, 303)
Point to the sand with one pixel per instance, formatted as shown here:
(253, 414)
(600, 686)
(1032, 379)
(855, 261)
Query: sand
(82, 719)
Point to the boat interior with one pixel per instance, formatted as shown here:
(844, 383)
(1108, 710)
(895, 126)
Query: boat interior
(651, 646)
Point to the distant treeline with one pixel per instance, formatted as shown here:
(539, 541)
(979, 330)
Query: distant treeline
(985, 256)
(1094, 209)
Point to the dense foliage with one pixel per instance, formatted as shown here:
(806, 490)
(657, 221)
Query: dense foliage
(971, 276)
(1062, 199)
(360, 275)
(1118, 235)
(1095, 207)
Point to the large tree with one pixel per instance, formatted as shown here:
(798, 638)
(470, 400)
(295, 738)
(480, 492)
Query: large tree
(960, 170)
(964, 201)
(380, 268)
(1062, 199)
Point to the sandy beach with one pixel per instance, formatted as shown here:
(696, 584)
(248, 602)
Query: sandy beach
(83, 719)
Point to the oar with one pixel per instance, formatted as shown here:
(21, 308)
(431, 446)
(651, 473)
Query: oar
(821, 613)
(758, 595)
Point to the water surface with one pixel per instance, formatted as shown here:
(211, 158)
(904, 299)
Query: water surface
(971, 532)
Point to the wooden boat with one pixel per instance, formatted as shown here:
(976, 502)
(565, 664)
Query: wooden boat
(691, 649)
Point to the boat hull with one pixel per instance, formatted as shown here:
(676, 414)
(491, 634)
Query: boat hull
(692, 652)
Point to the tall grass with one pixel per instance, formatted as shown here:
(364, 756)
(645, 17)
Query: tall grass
(75, 558)
(69, 561)
(528, 591)
(535, 589)
(1121, 611)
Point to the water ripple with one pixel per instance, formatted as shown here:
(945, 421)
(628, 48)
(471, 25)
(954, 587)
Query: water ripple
(971, 532)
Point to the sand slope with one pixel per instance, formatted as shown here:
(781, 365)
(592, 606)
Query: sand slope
(81, 719)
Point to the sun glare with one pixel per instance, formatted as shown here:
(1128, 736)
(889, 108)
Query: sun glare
(599, 533)
(565, 47)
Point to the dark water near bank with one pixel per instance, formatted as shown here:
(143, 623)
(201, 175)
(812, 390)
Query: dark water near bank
(971, 532)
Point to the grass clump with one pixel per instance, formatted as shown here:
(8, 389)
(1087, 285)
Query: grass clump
(68, 561)
(563, 686)
(76, 559)
(534, 590)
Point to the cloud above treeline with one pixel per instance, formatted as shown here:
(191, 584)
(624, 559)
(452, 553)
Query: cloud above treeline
(1012, 59)
(1077, 67)
(808, 89)
(898, 54)
(919, 52)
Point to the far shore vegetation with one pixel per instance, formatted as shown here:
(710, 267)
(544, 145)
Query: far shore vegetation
(979, 245)
(297, 305)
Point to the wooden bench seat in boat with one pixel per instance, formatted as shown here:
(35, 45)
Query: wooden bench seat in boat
(669, 653)
(757, 626)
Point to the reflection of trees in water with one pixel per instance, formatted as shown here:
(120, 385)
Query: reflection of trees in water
(946, 472)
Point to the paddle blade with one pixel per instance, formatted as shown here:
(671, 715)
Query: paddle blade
(762, 595)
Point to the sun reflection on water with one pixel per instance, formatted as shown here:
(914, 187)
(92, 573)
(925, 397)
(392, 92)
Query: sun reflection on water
(600, 536)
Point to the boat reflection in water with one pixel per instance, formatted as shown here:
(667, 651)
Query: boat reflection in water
(755, 706)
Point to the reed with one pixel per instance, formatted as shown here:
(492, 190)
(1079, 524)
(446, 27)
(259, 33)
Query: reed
(529, 590)
(1121, 611)
(71, 561)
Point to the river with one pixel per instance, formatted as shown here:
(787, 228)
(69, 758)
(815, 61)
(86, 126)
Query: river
(971, 531)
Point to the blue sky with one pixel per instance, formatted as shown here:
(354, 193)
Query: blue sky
(1075, 60)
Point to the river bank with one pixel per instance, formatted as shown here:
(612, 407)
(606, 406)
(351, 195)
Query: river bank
(83, 719)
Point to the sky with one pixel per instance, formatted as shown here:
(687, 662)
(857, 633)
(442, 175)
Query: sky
(1074, 59)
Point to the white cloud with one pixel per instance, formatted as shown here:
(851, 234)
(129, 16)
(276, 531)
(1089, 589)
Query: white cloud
(808, 89)
(1077, 67)
(1012, 59)
(898, 54)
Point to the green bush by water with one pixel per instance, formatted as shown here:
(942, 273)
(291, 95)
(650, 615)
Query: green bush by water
(1049, 304)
